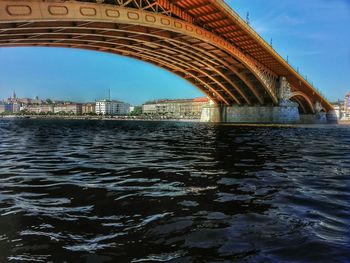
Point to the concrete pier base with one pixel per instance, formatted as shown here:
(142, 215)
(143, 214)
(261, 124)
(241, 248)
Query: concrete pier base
(332, 117)
(318, 118)
(247, 114)
(285, 114)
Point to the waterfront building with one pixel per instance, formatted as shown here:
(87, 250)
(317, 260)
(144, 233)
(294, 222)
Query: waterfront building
(23, 108)
(180, 108)
(88, 108)
(6, 107)
(150, 107)
(22, 101)
(347, 105)
(112, 107)
(342, 108)
(16, 106)
(339, 110)
(11, 105)
(39, 108)
(73, 108)
(2, 107)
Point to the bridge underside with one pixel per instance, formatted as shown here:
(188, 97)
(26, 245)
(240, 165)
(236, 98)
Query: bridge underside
(304, 105)
(223, 71)
(162, 41)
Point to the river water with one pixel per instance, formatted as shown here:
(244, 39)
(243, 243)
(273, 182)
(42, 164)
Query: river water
(114, 191)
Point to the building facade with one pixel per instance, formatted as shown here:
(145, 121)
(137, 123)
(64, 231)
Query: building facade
(342, 108)
(43, 108)
(16, 107)
(2, 107)
(75, 109)
(111, 107)
(88, 108)
(347, 106)
(339, 110)
(181, 108)
(10, 107)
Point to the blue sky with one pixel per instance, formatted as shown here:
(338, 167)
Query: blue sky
(314, 34)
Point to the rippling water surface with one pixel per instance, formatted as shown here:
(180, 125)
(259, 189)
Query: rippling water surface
(107, 191)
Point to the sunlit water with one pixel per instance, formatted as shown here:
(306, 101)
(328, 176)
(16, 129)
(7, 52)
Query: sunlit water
(107, 191)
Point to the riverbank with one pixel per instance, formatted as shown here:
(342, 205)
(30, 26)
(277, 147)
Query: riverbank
(147, 119)
(344, 122)
(106, 118)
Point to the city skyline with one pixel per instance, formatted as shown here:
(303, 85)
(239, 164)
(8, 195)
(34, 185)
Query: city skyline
(15, 96)
(305, 32)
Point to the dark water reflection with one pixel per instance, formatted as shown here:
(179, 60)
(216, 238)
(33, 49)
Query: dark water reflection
(95, 191)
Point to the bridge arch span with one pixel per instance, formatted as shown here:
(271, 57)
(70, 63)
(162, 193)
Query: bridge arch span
(305, 104)
(209, 62)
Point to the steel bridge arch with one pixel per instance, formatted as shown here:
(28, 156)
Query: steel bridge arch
(113, 28)
(306, 105)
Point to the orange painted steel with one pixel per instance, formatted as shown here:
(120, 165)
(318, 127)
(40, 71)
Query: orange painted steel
(297, 94)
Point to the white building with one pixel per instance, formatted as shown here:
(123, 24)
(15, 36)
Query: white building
(338, 111)
(112, 107)
(347, 106)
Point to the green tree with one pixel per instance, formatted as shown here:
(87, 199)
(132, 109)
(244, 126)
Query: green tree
(137, 111)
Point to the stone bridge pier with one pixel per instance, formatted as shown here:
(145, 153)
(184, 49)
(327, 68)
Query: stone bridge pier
(287, 111)
(320, 116)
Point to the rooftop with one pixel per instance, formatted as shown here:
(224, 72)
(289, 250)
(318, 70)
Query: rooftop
(106, 100)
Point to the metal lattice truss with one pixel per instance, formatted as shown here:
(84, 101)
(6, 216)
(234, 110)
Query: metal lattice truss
(164, 7)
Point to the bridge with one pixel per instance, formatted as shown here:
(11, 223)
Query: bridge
(202, 41)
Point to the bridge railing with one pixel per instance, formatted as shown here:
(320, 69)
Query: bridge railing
(296, 69)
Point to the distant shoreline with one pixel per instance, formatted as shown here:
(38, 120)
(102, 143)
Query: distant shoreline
(104, 118)
(134, 118)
